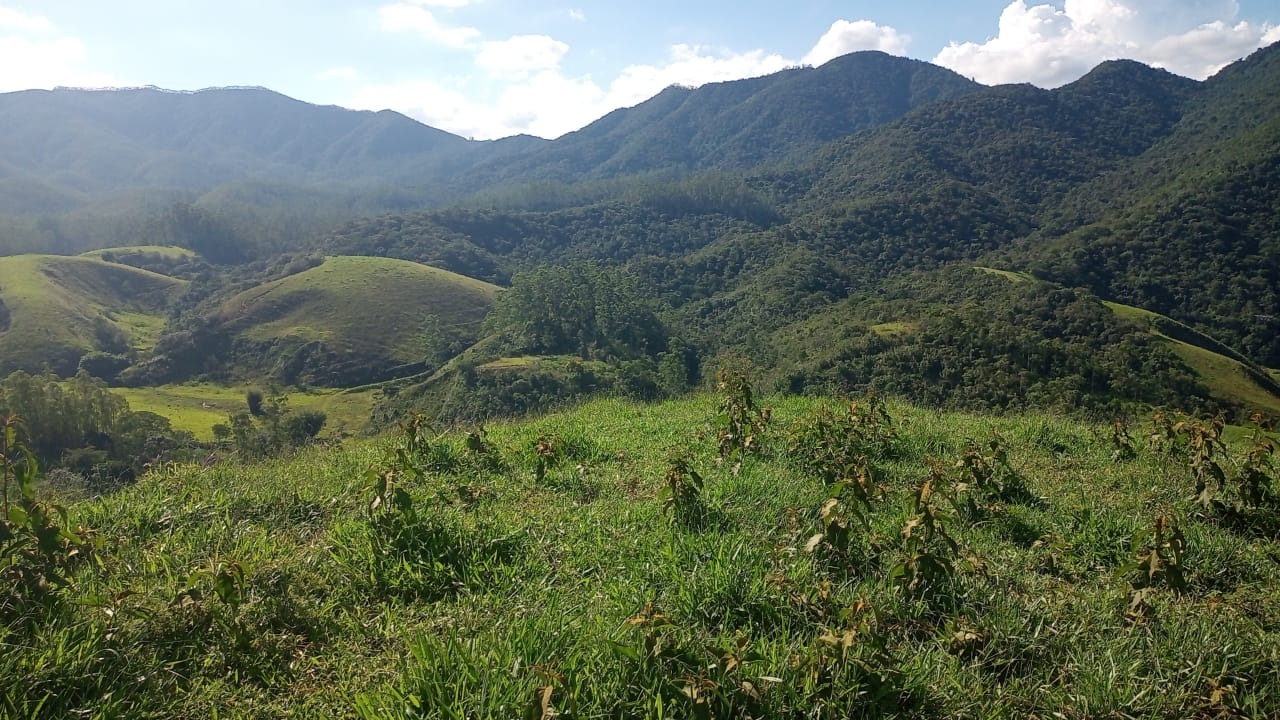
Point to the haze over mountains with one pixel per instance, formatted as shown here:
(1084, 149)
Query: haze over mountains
(750, 211)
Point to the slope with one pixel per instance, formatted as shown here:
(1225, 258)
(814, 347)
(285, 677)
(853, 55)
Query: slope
(999, 340)
(354, 320)
(1190, 229)
(739, 124)
(54, 309)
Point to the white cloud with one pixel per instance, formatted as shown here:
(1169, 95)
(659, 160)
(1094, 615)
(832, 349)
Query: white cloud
(1050, 47)
(577, 15)
(412, 17)
(1271, 36)
(690, 65)
(11, 19)
(35, 55)
(521, 55)
(845, 37)
(441, 3)
(534, 96)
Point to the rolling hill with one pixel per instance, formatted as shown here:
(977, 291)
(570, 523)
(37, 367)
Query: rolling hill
(353, 320)
(57, 308)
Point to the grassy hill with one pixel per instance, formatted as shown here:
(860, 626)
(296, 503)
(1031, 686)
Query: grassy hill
(539, 567)
(58, 308)
(1226, 373)
(353, 314)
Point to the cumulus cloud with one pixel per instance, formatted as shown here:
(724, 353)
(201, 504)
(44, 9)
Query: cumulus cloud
(34, 54)
(11, 19)
(414, 18)
(845, 37)
(521, 55)
(691, 65)
(1049, 47)
(535, 96)
(1039, 42)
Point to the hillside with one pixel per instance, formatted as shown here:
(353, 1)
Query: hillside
(1189, 229)
(604, 562)
(351, 320)
(57, 308)
(739, 124)
(74, 158)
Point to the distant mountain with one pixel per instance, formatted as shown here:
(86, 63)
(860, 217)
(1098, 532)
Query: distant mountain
(66, 149)
(740, 124)
(92, 140)
(1189, 229)
(823, 222)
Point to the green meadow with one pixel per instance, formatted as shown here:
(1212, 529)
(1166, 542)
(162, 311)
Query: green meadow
(197, 407)
(694, 558)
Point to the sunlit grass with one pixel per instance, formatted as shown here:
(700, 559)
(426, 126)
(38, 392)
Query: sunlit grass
(197, 407)
(501, 591)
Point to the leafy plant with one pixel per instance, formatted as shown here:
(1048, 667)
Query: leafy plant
(849, 503)
(683, 491)
(837, 448)
(1121, 442)
(1204, 439)
(546, 455)
(1159, 559)
(1256, 478)
(739, 424)
(930, 553)
(37, 544)
(984, 468)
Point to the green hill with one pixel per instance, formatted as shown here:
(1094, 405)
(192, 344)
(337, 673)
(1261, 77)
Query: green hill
(351, 320)
(56, 309)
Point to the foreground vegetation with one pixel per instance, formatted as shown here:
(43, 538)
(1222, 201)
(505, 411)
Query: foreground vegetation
(706, 557)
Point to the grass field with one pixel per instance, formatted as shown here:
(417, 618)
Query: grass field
(169, 252)
(61, 307)
(1018, 277)
(546, 569)
(197, 407)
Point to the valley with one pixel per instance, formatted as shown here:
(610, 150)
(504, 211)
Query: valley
(856, 390)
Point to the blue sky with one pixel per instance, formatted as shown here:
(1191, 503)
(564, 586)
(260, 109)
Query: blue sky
(490, 68)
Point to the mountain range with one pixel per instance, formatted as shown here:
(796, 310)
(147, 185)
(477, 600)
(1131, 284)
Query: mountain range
(784, 218)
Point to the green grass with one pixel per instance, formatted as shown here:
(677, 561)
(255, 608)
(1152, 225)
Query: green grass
(169, 252)
(60, 306)
(197, 407)
(362, 307)
(893, 329)
(501, 585)
(1226, 377)
(1018, 277)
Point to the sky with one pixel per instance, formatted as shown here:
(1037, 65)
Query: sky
(492, 68)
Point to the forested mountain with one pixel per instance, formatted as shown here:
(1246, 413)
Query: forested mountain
(739, 124)
(1191, 227)
(822, 222)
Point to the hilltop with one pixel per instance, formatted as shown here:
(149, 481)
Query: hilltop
(57, 309)
(351, 320)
